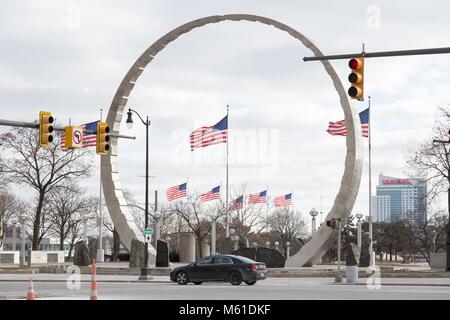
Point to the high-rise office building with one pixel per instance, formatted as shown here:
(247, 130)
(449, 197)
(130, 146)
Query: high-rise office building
(398, 199)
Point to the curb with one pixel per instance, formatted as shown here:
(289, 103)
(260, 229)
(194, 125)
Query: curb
(170, 282)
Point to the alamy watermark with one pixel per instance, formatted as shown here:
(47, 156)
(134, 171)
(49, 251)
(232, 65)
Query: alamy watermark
(253, 147)
(73, 21)
(374, 17)
(73, 281)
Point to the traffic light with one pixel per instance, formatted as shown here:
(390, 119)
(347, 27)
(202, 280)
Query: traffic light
(331, 223)
(102, 138)
(45, 129)
(356, 78)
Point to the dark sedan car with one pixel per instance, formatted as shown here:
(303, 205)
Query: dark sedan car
(228, 268)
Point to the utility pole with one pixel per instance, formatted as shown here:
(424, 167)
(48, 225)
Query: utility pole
(339, 276)
(447, 155)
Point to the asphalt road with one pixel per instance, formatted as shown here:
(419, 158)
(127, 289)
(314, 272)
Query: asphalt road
(270, 289)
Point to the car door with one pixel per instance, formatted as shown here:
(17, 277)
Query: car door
(222, 266)
(203, 270)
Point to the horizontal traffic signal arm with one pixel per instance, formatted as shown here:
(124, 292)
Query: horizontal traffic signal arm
(379, 54)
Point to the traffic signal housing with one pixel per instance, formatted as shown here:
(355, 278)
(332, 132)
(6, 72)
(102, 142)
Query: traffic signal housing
(102, 138)
(356, 78)
(45, 129)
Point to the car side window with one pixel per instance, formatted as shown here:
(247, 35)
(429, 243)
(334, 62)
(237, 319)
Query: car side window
(223, 260)
(227, 260)
(205, 260)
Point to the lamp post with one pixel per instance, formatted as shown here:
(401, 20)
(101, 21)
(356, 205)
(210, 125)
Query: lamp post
(313, 214)
(359, 217)
(14, 234)
(22, 238)
(145, 271)
(213, 236)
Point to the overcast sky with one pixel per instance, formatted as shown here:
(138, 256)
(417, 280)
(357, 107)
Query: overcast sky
(68, 57)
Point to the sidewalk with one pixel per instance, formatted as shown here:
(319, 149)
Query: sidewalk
(63, 277)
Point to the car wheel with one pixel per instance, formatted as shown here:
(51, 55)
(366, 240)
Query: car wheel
(250, 283)
(235, 278)
(182, 278)
(197, 283)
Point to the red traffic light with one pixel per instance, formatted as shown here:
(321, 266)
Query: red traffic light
(355, 63)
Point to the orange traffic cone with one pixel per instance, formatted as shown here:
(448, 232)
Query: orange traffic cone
(93, 281)
(30, 292)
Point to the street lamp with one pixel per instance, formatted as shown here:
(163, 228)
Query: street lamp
(359, 217)
(22, 238)
(313, 214)
(14, 235)
(145, 269)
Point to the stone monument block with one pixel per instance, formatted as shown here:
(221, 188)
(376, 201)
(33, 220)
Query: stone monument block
(162, 254)
(93, 245)
(364, 260)
(246, 252)
(271, 257)
(81, 256)
(226, 246)
(352, 258)
(137, 254)
(243, 243)
(187, 247)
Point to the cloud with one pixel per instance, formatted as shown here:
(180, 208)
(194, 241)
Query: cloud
(48, 63)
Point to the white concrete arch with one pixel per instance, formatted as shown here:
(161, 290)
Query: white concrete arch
(345, 199)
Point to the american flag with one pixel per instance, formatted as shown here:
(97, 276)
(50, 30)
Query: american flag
(89, 135)
(339, 129)
(206, 136)
(176, 192)
(260, 197)
(282, 201)
(213, 194)
(236, 204)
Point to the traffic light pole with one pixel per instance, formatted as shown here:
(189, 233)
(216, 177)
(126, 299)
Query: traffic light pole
(339, 276)
(380, 54)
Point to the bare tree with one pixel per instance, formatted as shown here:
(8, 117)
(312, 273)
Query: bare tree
(197, 217)
(69, 207)
(42, 169)
(288, 224)
(10, 206)
(430, 161)
(429, 237)
(252, 218)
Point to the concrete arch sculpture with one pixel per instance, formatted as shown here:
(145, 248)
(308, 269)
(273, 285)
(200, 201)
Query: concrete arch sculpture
(345, 199)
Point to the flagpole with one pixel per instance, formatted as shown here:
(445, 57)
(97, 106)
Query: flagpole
(100, 254)
(267, 209)
(227, 224)
(187, 193)
(372, 257)
(292, 200)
